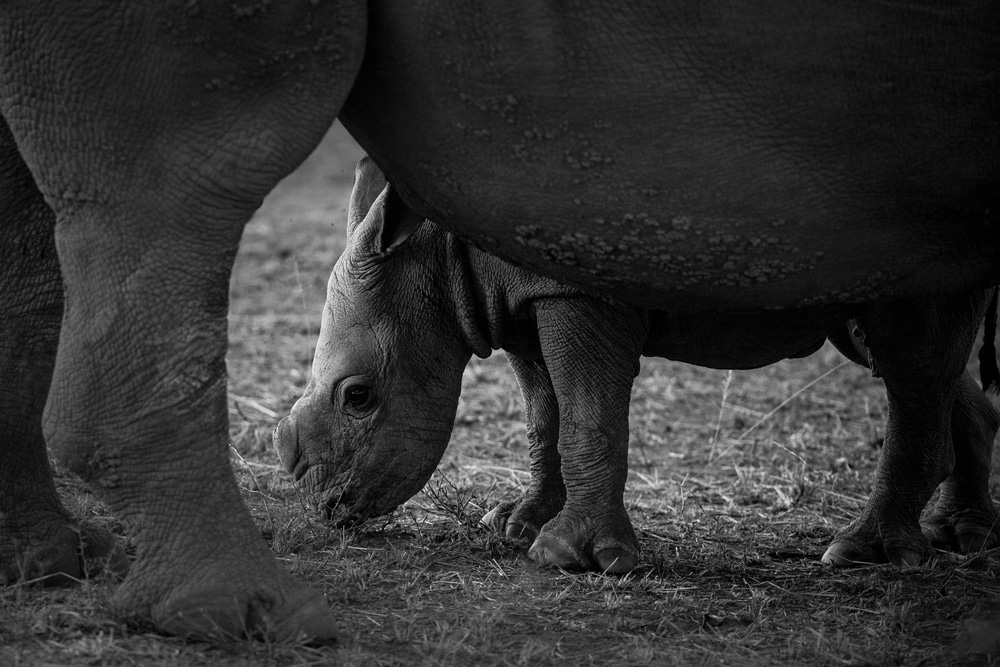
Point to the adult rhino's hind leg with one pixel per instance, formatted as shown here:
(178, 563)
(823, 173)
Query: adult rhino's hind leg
(38, 537)
(154, 143)
(920, 348)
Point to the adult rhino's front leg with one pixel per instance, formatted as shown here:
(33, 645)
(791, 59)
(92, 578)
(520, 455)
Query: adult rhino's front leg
(938, 430)
(591, 349)
(38, 537)
(154, 142)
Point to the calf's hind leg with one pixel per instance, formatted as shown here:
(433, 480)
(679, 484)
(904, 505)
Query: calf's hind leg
(964, 518)
(920, 348)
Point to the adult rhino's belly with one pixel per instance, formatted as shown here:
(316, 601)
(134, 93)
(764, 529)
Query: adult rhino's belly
(691, 249)
(698, 232)
(786, 164)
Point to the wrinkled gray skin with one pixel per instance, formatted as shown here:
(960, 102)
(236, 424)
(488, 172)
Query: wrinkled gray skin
(725, 158)
(408, 304)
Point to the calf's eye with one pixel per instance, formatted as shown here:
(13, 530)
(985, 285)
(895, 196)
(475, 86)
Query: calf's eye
(356, 396)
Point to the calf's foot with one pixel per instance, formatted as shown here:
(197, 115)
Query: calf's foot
(523, 519)
(578, 541)
(965, 530)
(876, 540)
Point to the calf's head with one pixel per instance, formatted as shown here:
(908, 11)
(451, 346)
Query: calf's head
(379, 408)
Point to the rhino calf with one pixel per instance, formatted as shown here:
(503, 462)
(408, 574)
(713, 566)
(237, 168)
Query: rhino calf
(408, 304)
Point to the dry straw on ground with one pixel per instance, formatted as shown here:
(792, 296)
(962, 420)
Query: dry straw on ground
(737, 483)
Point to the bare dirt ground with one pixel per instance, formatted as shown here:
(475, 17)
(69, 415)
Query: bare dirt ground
(738, 482)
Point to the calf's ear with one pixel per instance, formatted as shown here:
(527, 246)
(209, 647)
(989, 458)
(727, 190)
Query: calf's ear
(369, 182)
(388, 224)
(399, 221)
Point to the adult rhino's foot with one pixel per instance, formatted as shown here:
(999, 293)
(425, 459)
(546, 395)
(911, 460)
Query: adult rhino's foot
(58, 553)
(965, 531)
(523, 519)
(234, 601)
(577, 542)
(868, 543)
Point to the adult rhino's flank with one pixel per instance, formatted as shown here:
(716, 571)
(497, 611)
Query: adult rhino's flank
(408, 304)
(690, 155)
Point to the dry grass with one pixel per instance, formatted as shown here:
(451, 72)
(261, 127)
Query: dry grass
(735, 493)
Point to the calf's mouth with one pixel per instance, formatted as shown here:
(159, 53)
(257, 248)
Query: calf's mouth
(345, 510)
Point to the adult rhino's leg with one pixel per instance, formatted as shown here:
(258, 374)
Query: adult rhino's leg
(591, 349)
(154, 141)
(964, 518)
(546, 493)
(38, 537)
(920, 348)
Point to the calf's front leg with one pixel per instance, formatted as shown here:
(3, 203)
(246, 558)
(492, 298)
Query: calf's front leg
(591, 350)
(546, 494)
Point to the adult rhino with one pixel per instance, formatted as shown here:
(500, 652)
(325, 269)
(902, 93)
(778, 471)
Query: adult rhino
(377, 415)
(785, 155)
